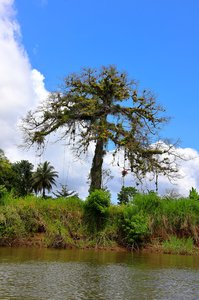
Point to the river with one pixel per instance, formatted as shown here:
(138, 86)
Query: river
(47, 274)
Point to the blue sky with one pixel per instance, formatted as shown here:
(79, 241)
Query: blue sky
(156, 42)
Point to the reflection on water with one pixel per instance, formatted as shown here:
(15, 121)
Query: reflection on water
(30, 274)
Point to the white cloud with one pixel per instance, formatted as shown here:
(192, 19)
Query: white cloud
(189, 170)
(6, 8)
(38, 85)
(22, 88)
(187, 177)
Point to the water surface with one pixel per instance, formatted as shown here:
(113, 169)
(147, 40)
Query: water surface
(30, 274)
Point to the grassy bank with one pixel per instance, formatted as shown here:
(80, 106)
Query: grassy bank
(147, 221)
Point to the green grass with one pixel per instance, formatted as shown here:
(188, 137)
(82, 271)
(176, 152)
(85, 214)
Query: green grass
(59, 219)
(178, 246)
(169, 217)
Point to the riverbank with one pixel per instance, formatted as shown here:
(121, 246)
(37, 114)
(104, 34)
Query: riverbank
(148, 223)
(38, 241)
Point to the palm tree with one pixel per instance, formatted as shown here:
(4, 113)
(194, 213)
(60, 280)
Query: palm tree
(44, 178)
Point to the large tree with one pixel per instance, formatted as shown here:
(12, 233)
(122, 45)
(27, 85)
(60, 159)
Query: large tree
(105, 107)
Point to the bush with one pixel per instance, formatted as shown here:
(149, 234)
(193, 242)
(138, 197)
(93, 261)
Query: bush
(193, 194)
(31, 217)
(96, 210)
(11, 225)
(3, 192)
(149, 203)
(134, 227)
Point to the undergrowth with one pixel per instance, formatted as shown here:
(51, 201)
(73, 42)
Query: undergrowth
(72, 222)
(178, 246)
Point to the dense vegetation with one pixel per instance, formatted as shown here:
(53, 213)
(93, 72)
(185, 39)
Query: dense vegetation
(147, 219)
(29, 217)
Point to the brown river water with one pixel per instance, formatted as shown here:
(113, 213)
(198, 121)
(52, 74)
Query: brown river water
(46, 274)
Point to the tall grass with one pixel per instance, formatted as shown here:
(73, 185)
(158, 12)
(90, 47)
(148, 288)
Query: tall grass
(178, 246)
(59, 220)
(63, 222)
(168, 216)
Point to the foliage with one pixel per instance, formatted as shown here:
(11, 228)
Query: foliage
(134, 227)
(31, 217)
(44, 178)
(193, 194)
(3, 192)
(126, 194)
(11, 224)
(169, 216)
(149, 203)
(96, 210)
(6, 173)
(22, 179)
(66, 222)
(165, 217)
(92, 107)
(178, 246)
(60, 221)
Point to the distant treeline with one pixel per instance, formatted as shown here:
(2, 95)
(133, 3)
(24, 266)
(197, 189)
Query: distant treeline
(20, 179)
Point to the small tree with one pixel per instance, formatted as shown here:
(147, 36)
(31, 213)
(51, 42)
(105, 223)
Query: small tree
(44, 178)
(65, 192)
(193, 194)
(126, 194)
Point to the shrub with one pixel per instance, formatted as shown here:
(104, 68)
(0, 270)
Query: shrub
(3, 192)
(134, 227)
(149, 203)
(96, 210)
(11, 224)
(31, 218)
(193, 194)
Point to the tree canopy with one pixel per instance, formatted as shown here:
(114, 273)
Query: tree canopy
(22, 178)
(105, 107)
(6, 172)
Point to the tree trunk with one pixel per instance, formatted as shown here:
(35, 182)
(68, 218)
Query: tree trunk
(96, 170)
